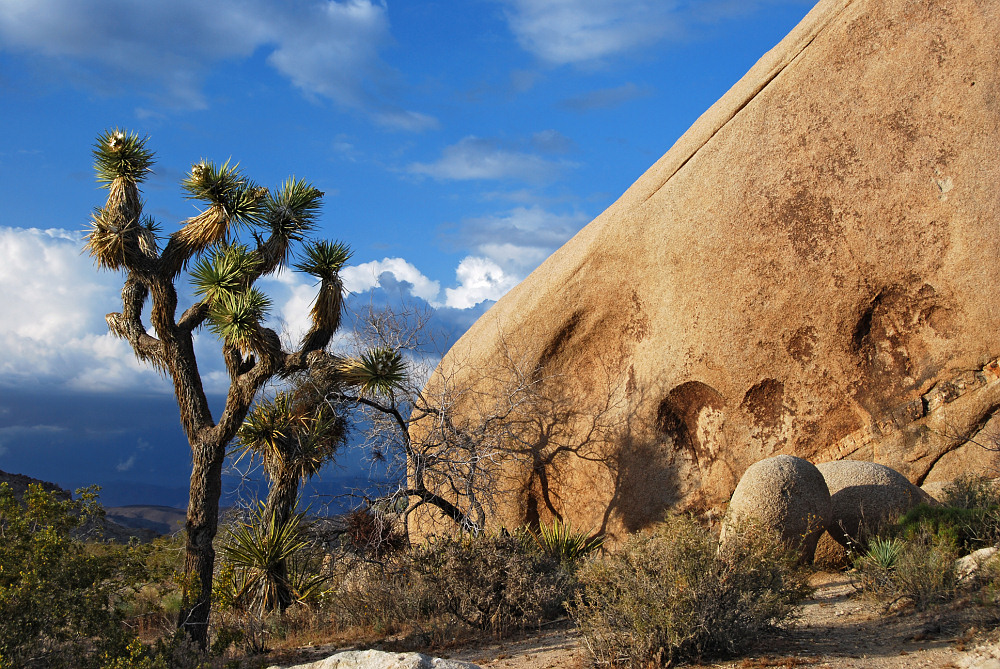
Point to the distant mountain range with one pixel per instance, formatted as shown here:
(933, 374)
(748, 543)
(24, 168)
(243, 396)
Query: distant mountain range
(159, 519)
(126, 517)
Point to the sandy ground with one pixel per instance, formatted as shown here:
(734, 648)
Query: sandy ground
(834, 628)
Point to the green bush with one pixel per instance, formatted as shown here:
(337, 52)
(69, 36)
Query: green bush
(967, 529)
(495, 582)
(672, 594)
(263, 560)
(61, 601)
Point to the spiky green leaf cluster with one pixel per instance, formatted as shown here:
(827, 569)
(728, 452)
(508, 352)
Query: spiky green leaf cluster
(564, 543)
(121, 155)
(258, 552)
(291, 211)
(227, 271)
(227, 188)
(236, 317)
(376, 372)
(325, 259)
(292, 436)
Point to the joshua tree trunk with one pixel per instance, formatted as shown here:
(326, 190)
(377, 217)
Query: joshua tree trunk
(281, 498)
(202, 525)
(282, 495)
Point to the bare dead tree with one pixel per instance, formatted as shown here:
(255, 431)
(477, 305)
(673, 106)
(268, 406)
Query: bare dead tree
(447, 444)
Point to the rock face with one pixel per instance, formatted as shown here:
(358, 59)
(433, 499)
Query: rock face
(865, 496)
(786, 494)
(376, 659)
(808, 270)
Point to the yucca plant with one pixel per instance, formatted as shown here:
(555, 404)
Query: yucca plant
(884, 552)
(258, 552)
(375, 372)
(564, 543)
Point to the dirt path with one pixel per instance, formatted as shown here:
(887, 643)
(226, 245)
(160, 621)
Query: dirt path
(835, 628)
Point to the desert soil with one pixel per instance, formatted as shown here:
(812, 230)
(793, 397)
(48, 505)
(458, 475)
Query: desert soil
(834, 628)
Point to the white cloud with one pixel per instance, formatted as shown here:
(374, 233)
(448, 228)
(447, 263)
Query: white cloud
(324, 47)
(409, 121)
(363, 277)
(125, 465)
(52, 306)
(292, 294)
(479, 279)
(574, 31)
(520, 239)
(327, 48)
(562, 32)
(481, 158)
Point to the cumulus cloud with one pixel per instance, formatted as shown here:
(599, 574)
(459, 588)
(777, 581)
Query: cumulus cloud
(507, 247)
(520, 239)
(324, 47)
(479, 279)
(53, 331)
(364, 277)
(483, 158)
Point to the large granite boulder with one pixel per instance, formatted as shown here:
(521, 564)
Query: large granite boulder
(865, 497)
(785, 494)
(808, 270)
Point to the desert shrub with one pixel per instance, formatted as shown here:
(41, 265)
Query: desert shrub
(972, 492)
(175, 651)
(966, 528)
(495, 582)
(673, 594)
(378, 596)
(373, 532)
(61, 601)
(920, 570)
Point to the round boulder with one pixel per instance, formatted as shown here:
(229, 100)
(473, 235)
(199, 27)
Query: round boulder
(783, 493)
(866, 496)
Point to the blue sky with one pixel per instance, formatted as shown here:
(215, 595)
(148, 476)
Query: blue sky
(458, 143)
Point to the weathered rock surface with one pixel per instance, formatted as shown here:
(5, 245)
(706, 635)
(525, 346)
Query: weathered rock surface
(377, 659)
(968, 565)
(865, 496)
(786, 494)
(808, 270)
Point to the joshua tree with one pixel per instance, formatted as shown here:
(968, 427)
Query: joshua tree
(294, 434)
(224, 272)
(294, 437)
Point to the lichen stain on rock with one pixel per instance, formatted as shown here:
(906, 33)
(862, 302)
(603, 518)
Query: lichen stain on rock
(891, 339)
(810, 223)
(802, 343)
